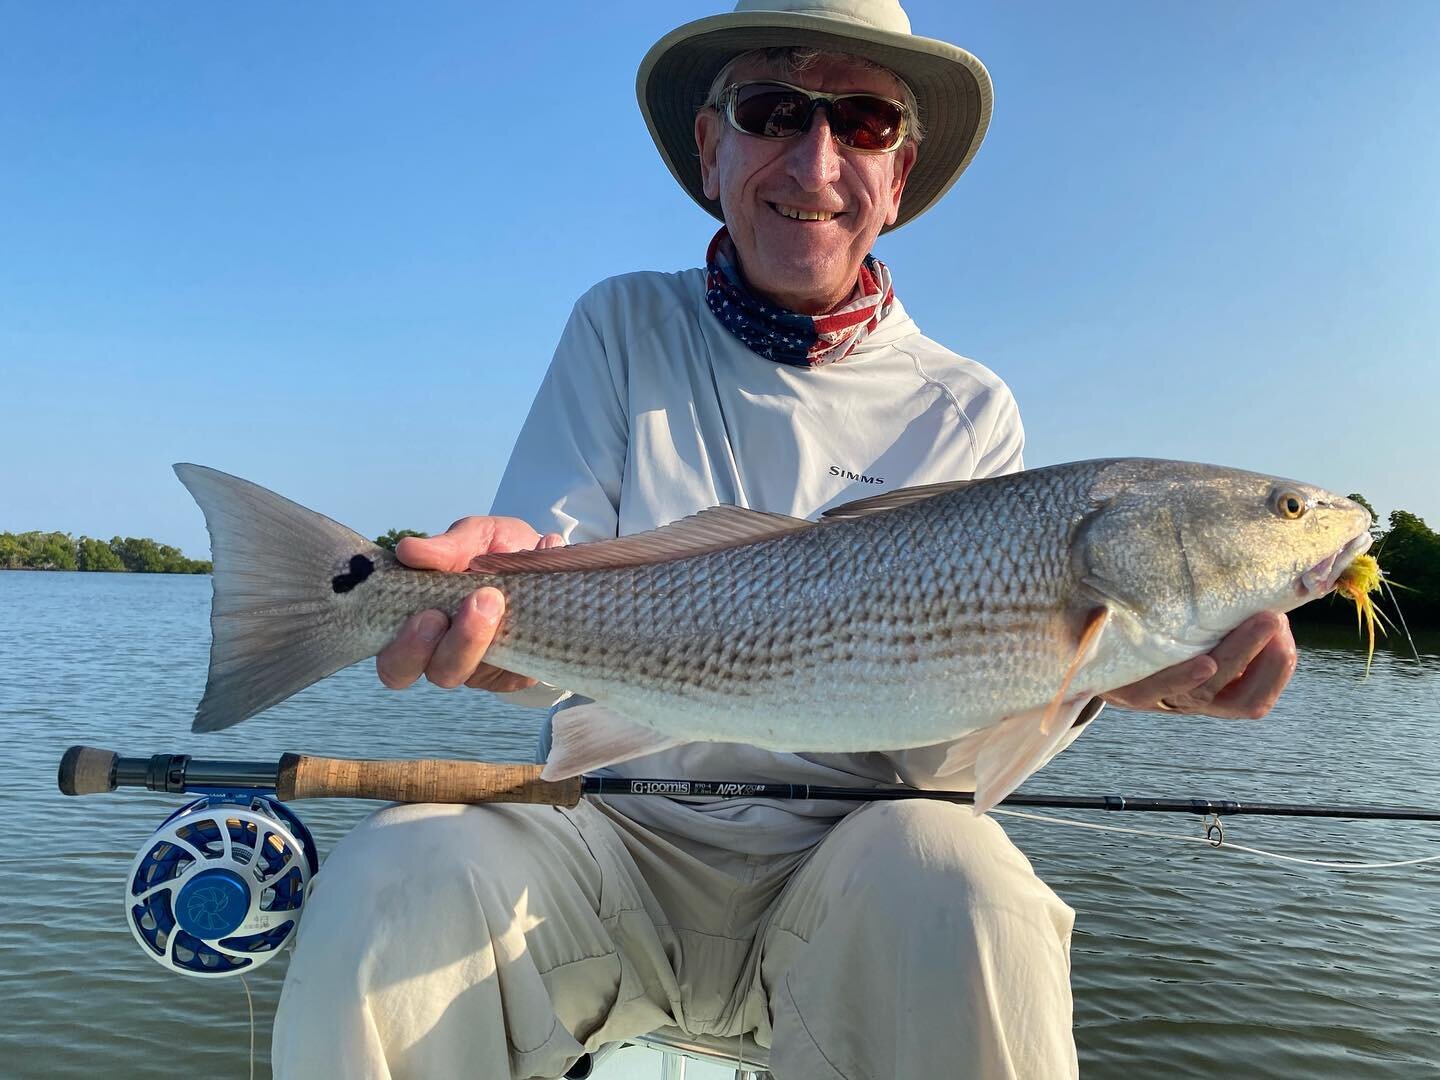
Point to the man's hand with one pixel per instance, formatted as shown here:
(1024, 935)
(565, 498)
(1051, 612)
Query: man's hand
(448, 651)
(1239, 679)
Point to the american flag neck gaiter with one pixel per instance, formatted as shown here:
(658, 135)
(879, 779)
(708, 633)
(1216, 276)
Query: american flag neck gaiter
(788, 337)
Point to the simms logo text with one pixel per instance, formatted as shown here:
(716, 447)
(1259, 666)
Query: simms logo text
(835, 470)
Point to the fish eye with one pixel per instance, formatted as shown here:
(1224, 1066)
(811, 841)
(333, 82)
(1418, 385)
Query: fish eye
(1289, 504)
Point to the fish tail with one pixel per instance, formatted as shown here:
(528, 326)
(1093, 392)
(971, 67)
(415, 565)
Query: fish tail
(281, 578)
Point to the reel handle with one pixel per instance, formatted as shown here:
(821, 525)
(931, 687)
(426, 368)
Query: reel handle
(302, 776)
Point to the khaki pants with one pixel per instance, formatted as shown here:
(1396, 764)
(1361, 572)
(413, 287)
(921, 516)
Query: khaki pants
(914, 942)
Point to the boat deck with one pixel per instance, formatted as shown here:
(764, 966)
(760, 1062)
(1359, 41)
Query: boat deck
(643, 1063)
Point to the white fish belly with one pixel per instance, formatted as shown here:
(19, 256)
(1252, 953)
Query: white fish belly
(832, 705)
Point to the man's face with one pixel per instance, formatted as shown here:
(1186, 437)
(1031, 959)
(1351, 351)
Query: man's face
(807, 266)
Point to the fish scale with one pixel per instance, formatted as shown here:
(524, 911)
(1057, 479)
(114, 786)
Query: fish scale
(950, 612)
(982, 621)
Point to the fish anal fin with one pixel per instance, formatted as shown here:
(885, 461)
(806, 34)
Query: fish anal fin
(1093, 629)
(1018, 746)
(587, 737)
(714, 529)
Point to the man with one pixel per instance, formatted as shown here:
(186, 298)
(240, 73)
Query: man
(902, 940)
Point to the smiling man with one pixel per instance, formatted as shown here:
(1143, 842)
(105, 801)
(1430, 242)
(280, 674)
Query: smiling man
(805, 208)
(903, 940)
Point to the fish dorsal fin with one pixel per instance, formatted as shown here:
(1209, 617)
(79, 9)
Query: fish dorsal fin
(874, 504)
(715, 529)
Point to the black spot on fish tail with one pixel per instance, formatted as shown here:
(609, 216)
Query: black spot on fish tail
(360, 569)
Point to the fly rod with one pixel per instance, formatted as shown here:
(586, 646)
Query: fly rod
(85, 770)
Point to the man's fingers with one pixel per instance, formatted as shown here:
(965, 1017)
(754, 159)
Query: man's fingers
(453, 549)
(1233, 658)
(1254, 694)
(450, 652)
(1167, 685)
(1252, 665)
(404, 660)
(472, 629)
(498, 680)
(1238, 648)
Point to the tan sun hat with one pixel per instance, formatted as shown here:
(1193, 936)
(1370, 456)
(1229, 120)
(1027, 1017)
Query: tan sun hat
(951, 87)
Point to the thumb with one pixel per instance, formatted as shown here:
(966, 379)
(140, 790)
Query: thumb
(452, 550)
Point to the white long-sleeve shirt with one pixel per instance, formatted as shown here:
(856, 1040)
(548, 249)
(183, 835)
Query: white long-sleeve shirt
(652, 411)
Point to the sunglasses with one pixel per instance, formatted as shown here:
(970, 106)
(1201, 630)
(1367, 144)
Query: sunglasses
(774, 110)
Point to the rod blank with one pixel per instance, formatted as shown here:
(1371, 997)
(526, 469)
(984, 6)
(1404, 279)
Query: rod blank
(85, 770)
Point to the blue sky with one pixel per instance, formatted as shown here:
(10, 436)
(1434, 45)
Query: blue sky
(330, 246)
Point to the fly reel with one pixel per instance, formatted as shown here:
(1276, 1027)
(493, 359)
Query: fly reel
(218, 888)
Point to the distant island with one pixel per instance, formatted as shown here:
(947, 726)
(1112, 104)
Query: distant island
(1408, 551)
(134, 554)
(61, 551)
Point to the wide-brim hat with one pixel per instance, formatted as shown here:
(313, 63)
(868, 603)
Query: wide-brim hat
(951, 87)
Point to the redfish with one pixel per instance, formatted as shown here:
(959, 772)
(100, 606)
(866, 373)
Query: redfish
(988, 611)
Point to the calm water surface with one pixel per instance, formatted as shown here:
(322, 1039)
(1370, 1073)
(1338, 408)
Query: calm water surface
(1188, 962)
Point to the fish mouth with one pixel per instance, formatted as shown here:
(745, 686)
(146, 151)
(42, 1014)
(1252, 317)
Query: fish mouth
(1321, 578)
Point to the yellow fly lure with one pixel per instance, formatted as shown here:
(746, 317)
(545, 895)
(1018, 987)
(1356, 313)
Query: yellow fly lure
(1361, 578)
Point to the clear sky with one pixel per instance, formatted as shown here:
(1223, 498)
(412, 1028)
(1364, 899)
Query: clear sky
(330, 246)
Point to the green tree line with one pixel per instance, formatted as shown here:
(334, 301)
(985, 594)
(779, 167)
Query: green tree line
(61, 551)
(1409, 554)
(394, 536)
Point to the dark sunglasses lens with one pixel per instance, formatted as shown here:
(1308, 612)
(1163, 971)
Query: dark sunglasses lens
(865, 122)
(770, 111)
(861, 121)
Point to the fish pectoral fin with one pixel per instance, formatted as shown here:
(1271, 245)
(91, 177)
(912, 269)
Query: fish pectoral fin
(962, 753)
(584, 738)
(1090, 634)
(1018, 746)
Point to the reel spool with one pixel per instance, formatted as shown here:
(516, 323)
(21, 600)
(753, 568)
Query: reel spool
(218, 888)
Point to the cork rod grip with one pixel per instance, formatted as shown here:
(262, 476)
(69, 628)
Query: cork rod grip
(430, 780)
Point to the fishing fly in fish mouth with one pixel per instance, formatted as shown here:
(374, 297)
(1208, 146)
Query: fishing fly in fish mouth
(680, 563)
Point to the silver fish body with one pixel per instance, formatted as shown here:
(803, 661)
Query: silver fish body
(991, 610)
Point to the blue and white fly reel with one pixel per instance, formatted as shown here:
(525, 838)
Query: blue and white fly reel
(219, 887)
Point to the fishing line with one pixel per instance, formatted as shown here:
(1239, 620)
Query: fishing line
(1414, 648)
(51, 856)
(1395, 603)
(1050, 819)
(740, 1038)
(250, 1002)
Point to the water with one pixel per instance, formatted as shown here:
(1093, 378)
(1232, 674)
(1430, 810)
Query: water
(1188, 962)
